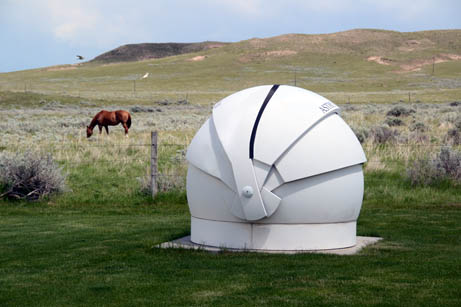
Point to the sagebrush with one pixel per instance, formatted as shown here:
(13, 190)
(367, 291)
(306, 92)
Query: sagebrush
(30, 176)
(446, 165)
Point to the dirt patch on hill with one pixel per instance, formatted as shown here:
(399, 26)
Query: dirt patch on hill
(197, 58)
(59, 68)
(416, 65)
(380, 60)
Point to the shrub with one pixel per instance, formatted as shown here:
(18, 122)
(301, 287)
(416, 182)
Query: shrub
(418, 137)
(446, 165)
(137, 109)
(453, 137)
(457, 122)
(455, 103)
(361, 134)
(182, 101)
(383, 135)
(418, 127)
(400, 111)
(393, 121)
(163, 102)
(30, 176)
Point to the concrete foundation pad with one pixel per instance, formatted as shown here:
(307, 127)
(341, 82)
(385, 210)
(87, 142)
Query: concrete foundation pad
(186, 243)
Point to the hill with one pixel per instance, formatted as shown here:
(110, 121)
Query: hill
(360, 66)
(139, 52)
(401, 51)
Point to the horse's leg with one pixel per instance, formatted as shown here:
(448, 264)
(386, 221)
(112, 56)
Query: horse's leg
(100, 129)
(126, 128)
(107, 129)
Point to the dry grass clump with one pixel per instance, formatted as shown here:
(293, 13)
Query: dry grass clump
(30, 176)
(446, 165)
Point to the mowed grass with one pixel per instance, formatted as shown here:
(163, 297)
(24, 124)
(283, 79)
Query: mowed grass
(65, 253)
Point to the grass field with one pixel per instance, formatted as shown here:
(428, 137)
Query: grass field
(94, 244)
(103, 254)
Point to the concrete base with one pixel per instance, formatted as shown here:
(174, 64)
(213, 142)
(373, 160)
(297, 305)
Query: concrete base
(186, 243)
(239, 235)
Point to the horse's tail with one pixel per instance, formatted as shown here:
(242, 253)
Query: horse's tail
(128, 122)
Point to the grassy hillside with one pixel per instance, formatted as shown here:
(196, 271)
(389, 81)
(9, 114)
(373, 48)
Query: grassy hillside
(357, 66)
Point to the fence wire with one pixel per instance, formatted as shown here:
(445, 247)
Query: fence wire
(172, 164)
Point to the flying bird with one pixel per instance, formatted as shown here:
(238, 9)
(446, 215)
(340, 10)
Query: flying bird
(79, 57)
(145, 76)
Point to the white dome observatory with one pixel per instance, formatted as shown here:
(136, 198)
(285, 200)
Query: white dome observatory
(275, 168)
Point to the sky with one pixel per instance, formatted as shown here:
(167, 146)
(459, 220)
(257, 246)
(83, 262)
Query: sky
(39, 33)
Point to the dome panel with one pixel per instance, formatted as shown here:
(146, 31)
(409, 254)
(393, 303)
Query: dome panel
(214, 197)
(331, 197)
(261, 172)
(206, 153)
(289, 114)
(327, 146)
(234, 119)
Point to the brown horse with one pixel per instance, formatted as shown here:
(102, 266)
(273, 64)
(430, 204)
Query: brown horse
(105, 118)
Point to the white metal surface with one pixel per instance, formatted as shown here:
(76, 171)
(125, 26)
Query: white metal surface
(273, 236)
(288, 161)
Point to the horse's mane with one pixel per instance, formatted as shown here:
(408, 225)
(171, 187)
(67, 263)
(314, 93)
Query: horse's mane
(94, 121)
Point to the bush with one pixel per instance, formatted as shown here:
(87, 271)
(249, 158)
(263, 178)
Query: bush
(418, 127)
(457, 122)
(30, 176)
(400, 111)
(445, 166)
(383, 135)
(137, 109)
(393, 121)
(361, 134)
(453, 137)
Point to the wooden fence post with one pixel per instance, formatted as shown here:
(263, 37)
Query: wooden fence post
(153, 163)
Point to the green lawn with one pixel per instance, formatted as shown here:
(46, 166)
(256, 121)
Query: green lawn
(104, 255)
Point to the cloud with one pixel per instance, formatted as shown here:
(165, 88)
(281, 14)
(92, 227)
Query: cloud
(243, 7)
(78, 22)
(83, 22)
(106, 23)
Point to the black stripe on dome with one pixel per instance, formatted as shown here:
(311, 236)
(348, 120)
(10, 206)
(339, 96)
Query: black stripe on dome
(258, 118)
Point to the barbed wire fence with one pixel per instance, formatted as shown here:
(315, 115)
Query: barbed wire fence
(166, 165)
